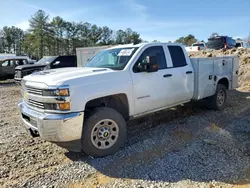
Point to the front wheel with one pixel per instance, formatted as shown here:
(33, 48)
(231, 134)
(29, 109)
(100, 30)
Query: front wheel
(104, 132)
(218, 100)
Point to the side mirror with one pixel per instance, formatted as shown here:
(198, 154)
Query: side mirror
(148, 65)
(56, 63)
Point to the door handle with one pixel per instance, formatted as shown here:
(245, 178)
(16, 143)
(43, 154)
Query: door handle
(167, 75)
(189, 72)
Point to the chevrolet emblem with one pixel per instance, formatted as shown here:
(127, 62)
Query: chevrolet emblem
(25, 95)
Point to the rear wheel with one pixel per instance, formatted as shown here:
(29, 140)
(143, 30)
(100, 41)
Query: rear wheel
(104, 132)
(218, 100)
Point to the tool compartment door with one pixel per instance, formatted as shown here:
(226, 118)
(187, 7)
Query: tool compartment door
(235, 73)
(204, 83)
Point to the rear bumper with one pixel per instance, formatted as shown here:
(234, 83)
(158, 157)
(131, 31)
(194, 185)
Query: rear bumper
(62, 129)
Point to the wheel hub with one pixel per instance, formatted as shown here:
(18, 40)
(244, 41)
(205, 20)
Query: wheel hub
(220, 98)
(104, 134)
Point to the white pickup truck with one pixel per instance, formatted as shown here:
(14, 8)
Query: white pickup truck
(86, 109)
(196, 47)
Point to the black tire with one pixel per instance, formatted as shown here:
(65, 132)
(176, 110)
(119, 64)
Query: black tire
(214, 103)
(97, 115)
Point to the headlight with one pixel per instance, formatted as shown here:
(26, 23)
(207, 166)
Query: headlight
(62, 92)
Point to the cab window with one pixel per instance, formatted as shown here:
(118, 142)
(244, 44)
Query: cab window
(21, 62)
(6, 63)
(177, 56)
(153, 51)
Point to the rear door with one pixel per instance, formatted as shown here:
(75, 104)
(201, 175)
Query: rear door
(182, 75)
(8, 68)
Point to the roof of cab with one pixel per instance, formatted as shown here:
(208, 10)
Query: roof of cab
(127, 45)
(13, 57)
(141, 44)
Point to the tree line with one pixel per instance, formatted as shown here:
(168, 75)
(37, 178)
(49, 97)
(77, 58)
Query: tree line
(57, 36)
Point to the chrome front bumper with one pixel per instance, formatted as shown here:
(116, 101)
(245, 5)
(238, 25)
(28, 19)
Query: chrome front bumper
(53, 127)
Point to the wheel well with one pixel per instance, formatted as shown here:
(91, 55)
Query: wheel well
(224, 81)
(118, 102)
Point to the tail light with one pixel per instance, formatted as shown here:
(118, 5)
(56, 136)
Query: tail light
(225, 45)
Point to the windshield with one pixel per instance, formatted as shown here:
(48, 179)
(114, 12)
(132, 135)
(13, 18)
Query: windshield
(115, 59)
(198, 44)
(215, 43)
(46, 60)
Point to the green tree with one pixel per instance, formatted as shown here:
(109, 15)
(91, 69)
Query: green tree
(135, 38)
(106, 36)
(42, 31)
(189, 40)
(128, 36)
(180, 40)
(58, 36)
(2, 45)
(120, 37)
(84, 33)
(18, 38)
(95, 34)
(214, 34)
(30, 45)
(58, 26)
(71, 34)
(8, 38)
(11, 39)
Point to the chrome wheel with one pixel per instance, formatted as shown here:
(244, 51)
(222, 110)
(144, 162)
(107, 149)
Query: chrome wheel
(221, 98)
(104, 134)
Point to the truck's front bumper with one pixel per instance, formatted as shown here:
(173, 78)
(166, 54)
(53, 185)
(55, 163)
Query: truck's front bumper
(63, 129)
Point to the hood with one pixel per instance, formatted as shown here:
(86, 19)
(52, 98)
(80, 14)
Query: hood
(55, 76)
(30, 66)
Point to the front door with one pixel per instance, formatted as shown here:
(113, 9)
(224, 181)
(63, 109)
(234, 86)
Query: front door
(151, 90)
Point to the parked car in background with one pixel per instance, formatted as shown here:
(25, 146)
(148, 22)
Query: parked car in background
(47, 62)
(196, 47)
(220, 42)
(9, 63)
(242, 44)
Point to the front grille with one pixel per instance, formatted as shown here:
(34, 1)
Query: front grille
(35, 103)
(40, 105)
(18, 74)
(34, 91)
(43, 100)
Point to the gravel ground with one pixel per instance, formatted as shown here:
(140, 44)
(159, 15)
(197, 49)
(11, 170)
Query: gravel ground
(187, 146)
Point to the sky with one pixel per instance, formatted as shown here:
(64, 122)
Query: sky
(163, 20)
